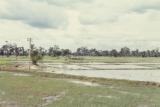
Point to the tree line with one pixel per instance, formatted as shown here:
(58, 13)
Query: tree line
(13, 49)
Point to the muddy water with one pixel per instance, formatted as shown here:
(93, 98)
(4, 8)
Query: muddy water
(99, 66)
(119, 66)
(143, 72)
(138, 75)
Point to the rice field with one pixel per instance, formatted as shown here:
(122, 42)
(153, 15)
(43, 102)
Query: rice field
(88, 82)
(27, 90)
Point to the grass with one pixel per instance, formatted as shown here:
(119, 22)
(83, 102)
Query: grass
(122, 59)
(30, 91)
(102, 59)
(87, 59)
(5, 61)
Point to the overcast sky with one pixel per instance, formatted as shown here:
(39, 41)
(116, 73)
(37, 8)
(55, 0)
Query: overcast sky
(103, 24)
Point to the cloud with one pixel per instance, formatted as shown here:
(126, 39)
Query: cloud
(67, 3)
(143, 9)
(103, 24)
(145, 6)
(36, 14)
(102, 12)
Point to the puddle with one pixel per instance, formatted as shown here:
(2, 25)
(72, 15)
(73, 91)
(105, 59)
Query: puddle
(70, 67)
(84, 83)
(35, 67)
(23, 66)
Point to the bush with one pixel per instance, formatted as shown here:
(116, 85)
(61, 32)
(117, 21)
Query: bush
(36, 56)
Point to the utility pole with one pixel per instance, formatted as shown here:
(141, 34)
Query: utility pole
(29, 54)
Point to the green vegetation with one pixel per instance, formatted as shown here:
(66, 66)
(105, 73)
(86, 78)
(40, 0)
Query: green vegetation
(86, 59)
(33, 91)
(35, 56)
(4, 61)
(14, 58)
(39, 89)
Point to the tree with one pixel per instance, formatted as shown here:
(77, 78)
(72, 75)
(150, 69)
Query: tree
(125, 51)
(93, 52)
(135, 53)
(83, 51)
(54, 51)
(114, 53)
(105, 53)
(36, 55)
(65, 52)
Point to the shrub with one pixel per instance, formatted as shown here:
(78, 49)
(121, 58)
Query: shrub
(36, 56)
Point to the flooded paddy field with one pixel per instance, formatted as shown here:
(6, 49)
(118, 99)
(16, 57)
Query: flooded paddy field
(127, 71)
(46, 88)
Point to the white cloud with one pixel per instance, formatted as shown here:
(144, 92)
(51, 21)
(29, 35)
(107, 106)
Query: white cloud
(36, 14)
(146, 5)
(67, 3)
(94, 23)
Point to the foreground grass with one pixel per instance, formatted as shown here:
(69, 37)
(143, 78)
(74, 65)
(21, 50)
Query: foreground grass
(31, 91)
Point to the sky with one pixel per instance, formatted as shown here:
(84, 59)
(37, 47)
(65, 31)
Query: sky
(101, 24)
